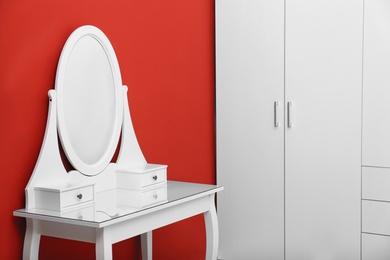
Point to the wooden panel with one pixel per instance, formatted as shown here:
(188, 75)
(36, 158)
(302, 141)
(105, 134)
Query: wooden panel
(250, 164)
(323, 166)
(376, 183)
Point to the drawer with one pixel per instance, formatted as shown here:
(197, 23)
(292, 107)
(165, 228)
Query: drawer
(141, 199)
(375, 247)
(63, 197)
(142, 178)
(76, 196)
(376, 183)
(376, 217)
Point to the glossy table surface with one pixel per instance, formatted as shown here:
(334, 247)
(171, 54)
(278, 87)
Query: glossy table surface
(106, 211)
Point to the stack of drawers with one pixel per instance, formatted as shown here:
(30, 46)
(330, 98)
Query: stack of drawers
(142, 186)
(375, 213)
(63, 196)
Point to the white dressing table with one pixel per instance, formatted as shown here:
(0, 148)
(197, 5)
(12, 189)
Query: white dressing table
(106, 223)
(101, 201)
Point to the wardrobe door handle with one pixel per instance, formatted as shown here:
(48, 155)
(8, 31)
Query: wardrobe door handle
(289, 120)
(276, 117)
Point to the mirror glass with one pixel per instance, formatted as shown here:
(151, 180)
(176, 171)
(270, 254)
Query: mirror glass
(89, 109)
(89, 101)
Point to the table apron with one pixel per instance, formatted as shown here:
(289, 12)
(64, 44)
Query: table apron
(157, 219)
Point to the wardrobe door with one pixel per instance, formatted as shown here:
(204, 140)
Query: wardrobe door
(376, 129)
(250, 145)
(376, 84)
(323, 142)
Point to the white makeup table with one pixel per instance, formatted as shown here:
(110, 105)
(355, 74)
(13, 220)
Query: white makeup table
(106, 223)
(100, 201)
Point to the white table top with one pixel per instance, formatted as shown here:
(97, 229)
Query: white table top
(105, 211)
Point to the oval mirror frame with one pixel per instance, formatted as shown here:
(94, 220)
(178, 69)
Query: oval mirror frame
(74, 147)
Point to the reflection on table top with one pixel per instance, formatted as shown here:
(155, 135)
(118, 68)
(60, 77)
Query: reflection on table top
(106, 210)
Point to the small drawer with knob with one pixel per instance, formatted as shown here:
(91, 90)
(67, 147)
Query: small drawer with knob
(142, 177)
(62, 197)
(141, 199)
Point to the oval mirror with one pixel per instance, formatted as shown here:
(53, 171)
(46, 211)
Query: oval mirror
(89, 100)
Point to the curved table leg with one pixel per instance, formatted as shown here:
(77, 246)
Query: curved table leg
(31, 240)
(212, 235)
(103, 245)
(146, 245)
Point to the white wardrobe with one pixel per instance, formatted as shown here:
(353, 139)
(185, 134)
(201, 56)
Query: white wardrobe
(376, 131)
(289, 113)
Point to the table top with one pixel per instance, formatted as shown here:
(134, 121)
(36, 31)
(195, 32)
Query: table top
(106, 210)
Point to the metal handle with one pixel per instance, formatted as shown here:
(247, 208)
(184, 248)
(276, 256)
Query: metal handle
(155, 177)
(155, 196)
(80, 196)
(276, 120)
(289, 120)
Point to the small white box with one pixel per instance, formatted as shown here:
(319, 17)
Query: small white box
(59, 197)
(142, 177)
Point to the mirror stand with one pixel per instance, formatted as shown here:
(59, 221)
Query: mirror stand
(51, 187)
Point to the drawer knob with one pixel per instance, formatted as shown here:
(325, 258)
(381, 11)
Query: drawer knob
(155, 177)
(155, 196)
(80, 196)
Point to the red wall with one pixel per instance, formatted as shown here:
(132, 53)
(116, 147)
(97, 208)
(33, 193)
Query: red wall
(166, 54)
